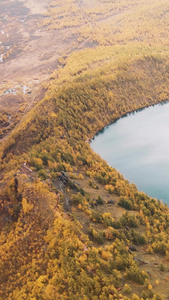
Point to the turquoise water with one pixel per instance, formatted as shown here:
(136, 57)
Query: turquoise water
(138, 147)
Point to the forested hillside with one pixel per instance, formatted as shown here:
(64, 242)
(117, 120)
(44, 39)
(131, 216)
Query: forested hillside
(71, 226)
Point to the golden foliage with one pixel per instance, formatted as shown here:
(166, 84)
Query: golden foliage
(27, 207)
(45, 252)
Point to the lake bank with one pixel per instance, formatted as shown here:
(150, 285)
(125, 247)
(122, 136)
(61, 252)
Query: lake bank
(137, 146)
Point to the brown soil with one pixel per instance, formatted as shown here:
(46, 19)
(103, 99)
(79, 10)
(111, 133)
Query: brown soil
(29, 54)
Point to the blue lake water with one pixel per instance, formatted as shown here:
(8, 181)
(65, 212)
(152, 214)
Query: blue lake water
(138, 147)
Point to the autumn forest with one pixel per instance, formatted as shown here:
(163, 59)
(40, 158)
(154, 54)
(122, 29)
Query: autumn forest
(71, 226)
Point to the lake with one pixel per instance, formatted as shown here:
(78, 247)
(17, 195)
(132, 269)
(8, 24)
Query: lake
(137, 145)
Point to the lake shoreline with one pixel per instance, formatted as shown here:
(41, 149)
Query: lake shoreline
(137, 148)
(126, 115)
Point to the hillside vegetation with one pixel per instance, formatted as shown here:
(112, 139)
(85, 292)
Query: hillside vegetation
(71, 226)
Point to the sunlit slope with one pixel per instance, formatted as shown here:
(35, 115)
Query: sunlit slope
(111, 22)
(53, 138)
(71, 226)
(92, 91)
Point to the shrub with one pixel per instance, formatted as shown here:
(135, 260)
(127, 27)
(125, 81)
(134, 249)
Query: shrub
(96, 236)
(37, 162)
(81, 176)
(26, 206)
(100, 200)
(147, 294)
(67, 157)
(77, 199)
(93, 185)
(159, 247)
(127, 289)
(162, 268)
(61, 167)
(96, 217)
(135, 274)
(42, 174)
(129, 220)
(116, 224)
(138, 238)
(45, 157)
(125, 203)
(108, 221)
(111, 233)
